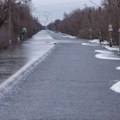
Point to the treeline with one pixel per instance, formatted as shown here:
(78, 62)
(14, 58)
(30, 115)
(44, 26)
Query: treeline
(90, 22)
(14, 16)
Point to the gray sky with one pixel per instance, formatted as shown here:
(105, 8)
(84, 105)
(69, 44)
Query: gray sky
(49, 10)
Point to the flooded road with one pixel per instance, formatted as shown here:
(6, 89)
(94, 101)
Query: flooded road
(11, 60)
(14, 58)
(70, 84)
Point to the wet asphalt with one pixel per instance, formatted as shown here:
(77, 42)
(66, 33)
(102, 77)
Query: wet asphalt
(69, 84)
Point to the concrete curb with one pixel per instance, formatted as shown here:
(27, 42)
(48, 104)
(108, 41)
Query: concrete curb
(23, 72)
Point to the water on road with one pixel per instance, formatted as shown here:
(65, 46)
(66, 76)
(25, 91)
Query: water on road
(14, 58)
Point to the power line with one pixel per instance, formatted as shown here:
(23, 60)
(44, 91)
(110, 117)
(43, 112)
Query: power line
(62, 9)
(94, 3)
(59, 4)
(41, 12)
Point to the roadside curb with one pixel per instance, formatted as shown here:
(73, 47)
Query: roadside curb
(23, 72)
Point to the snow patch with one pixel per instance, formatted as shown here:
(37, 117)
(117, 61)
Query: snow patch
(95, 41)
(68, 41)
(105, 42)
(103, 51)
(69, 36)
(107, 55)
(116, 87)
(98, 42)
(88, 44)
(118, 68)
(114, 48)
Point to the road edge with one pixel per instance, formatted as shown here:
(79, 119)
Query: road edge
(23, 72)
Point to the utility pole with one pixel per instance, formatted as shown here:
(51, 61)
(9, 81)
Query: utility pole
(83, 23)
(18, 18)
(110, 29)
(10, 14)
(90, 24)
(119, 21)
(100, 23)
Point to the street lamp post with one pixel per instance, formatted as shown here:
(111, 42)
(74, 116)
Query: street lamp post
(100, 25)
(119, 22)
(18, 20)
(90, 22)
(83, 24)
(110, 28)
(9, 8)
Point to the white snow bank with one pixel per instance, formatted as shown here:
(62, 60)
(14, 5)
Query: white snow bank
(118, 68)
(116, 87)
(107, 55)
(104, 51)
(68, 41)
(98, 42)
(88, 44)
(114, 48)
(95, 41)
(69, 36)
(105, 42)
(39, 53)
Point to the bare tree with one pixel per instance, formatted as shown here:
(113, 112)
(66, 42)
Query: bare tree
(16, 15)
(3, 11)
(80, 21)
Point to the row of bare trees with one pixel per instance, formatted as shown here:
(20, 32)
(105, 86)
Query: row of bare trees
(14, 16)
(90, 22)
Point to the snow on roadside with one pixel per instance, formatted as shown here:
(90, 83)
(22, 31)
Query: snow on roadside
(69, 36)
(105, 42)
(89, 44)
(114, 48)
(96, 41)
(118, 68)
(116, 87)
(107, 55)
(103, 51)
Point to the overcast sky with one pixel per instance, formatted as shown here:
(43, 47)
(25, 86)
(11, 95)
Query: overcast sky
(49, 10)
